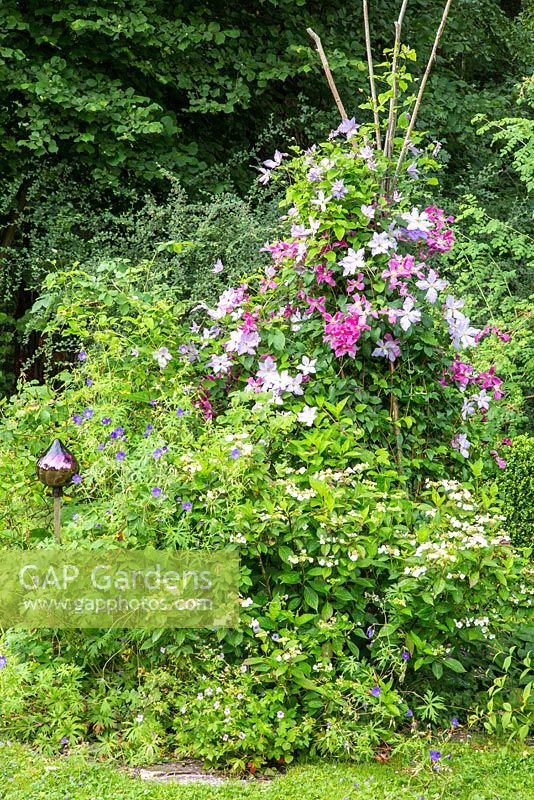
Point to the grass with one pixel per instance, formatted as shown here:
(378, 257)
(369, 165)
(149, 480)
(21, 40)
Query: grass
(474, 772)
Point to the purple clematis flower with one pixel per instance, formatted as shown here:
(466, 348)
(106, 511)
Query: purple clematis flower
(348, 127)
(156, 492)
(432, 285)
(339, 190)
(376, 691)
(265, 176)
(435, 755)
(462, 444)
(388, 347)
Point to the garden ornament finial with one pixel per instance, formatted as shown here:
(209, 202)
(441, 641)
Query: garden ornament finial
(55, 468)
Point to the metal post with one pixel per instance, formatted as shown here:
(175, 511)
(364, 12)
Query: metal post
(58, 493)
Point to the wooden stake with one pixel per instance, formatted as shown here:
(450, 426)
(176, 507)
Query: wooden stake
(392, 118)
(395, 415)
(415, 111)
(371, 73)
(328, 73)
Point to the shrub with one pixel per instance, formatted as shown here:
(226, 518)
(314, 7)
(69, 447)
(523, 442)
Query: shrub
(516, 485)
(356, 591)
(325, 419)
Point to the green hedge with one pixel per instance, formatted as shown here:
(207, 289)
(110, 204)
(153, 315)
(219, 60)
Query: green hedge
(517, 491)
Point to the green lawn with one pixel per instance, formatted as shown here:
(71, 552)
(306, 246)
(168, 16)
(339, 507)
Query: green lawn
(473, 773)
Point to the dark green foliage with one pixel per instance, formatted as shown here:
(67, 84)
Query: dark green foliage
(517, 491)
(134, 87)
(73, 223)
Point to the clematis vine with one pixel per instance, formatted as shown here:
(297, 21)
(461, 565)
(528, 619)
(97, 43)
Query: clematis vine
(162, 356)
(349, 279)
(221, 365)
(243, 341)
(307, 366)
(307, 415)
(368, 211)
(348, 127)
(398, 267)
(462, 334)
(321, 201)
(339, 190)
(381, 243)
(462, 444)
(417, 223)
(228, 301)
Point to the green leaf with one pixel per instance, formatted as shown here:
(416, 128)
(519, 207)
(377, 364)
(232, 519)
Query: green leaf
(454, 664)
(311, 598)
(474, 578)
(327, 611)
(277, 339)
(289, 577)
(427, 598)
(477, 467)
(437, 669)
